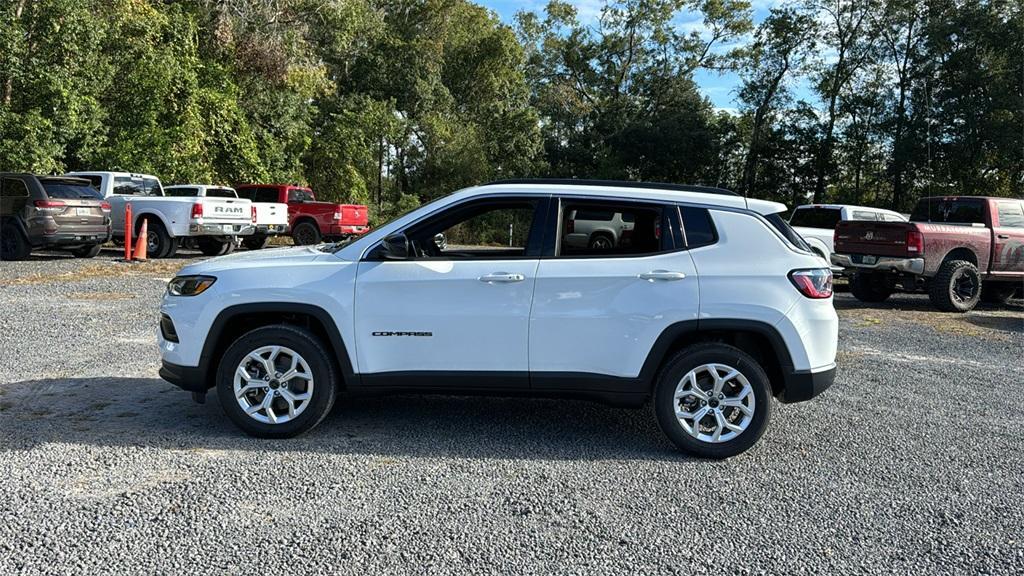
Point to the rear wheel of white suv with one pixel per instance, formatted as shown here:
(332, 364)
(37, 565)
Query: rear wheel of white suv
(712, 400)
(276, 381)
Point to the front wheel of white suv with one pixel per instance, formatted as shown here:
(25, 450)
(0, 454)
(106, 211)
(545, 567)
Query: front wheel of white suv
(276, 381)
(712, 400)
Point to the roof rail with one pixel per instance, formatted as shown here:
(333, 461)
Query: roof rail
(617, 183)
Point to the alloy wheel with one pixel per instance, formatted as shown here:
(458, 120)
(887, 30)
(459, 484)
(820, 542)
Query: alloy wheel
(273, 384)
(714, 403)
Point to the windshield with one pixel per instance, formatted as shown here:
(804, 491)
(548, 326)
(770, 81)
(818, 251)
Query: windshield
(816, 217)
(69, 191)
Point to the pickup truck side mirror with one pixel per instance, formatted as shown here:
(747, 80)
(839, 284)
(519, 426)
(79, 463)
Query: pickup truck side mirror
(395, 247)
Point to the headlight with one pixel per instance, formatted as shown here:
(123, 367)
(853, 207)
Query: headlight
(189, 285)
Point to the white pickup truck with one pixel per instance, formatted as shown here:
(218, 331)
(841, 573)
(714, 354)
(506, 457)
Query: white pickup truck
(211, 223)
(271, 218)
(816, 223)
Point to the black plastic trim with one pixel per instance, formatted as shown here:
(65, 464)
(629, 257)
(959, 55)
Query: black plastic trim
(617, 184)
(188, 378)
(803, 385)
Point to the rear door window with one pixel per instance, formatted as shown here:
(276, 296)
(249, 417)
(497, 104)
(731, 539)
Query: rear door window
(300, 195)
(1010, 214)
(816, 217)
(13, 188)
(593, 228)
(950, 211)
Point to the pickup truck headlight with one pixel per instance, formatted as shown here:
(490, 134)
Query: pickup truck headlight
(189, 285)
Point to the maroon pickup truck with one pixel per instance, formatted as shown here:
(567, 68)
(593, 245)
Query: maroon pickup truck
(310, 220)
(960, 249)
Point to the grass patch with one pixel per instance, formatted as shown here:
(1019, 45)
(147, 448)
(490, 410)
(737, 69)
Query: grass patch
(153, 268)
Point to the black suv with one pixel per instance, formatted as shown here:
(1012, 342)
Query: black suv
(50, 212)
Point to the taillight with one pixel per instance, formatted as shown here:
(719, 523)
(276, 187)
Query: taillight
(253, 214)
(337, 213)
(197, 211)
(50, 206)
(105, 206)
(814, 283)
(915, 242)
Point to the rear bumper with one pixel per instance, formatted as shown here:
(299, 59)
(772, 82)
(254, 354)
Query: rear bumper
(803, 385)
(203, 229)
(76, 238)
(348, 230)
(190, 378)
(271, 229)
(882, 264)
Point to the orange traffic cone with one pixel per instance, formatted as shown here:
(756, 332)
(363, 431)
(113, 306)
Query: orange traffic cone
(143, 242)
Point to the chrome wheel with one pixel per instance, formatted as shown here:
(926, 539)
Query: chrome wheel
(714, 403)
(273, 384)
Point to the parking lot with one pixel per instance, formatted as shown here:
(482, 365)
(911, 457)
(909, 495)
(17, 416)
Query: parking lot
(911, 463)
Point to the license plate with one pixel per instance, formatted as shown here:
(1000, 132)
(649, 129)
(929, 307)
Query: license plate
(868, 259)
(83, 211)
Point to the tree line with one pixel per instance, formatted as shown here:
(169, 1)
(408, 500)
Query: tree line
(394, 102)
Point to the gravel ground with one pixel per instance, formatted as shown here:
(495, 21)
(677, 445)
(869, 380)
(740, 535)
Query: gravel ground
(910, 464)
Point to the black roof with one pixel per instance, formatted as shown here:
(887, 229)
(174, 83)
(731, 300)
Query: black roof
(618, 183)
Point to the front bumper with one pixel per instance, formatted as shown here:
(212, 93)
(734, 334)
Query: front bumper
(271, 229)
(190, 378)
(203, 229)
(880, 264)
(803, 385)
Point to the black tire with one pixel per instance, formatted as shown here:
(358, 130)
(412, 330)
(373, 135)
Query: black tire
(601, 241)
(13, 244)
(305, 234)
(315, 354)
(87, 251)
(871, 287)
(214, 247)
(158, 242)
(256, 242)
(997, 292)
(678, 366)
(956, 288)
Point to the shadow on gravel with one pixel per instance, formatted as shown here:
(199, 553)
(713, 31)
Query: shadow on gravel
(152, 413)
(920, 303)
(1004, 323)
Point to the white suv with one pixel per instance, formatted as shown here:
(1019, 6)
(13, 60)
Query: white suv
(714, 307)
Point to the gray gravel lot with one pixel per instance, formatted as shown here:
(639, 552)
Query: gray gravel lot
(912, 463)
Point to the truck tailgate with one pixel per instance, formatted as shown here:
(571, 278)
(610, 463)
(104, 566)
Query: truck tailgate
(232, 210)
(268, 213)
(874, 238)
(353, 215)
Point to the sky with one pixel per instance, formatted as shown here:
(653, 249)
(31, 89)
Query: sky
(719, 88)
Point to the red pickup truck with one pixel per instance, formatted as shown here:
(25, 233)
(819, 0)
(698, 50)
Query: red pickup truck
(311, 221)
(961, 249)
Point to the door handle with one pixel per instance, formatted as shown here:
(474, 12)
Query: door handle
(502, 277)
(1003, 236)
(662, 275)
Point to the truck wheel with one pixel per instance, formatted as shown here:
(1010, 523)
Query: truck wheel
(13, 244)
(276, 382)
(956, 288)
(997, 292)
(306, 233)
(601, 241)
(256, 242)
(870, 287)
(158, 241)
(215, 247)
(712, 400)
(87, 251)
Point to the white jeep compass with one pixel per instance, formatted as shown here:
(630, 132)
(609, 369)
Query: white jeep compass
(712, 308)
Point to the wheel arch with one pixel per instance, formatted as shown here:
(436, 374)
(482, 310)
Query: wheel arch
(306, 219)
(150, 214)
(759, 339)
(961, 253)
(234, 321)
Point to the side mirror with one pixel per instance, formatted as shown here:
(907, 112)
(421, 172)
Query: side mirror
(395, 247)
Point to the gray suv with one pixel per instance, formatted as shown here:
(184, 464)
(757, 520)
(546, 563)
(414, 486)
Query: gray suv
(50, 212)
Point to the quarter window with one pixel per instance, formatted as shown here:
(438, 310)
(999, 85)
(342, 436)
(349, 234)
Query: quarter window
(698, 229)
(13, 188)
